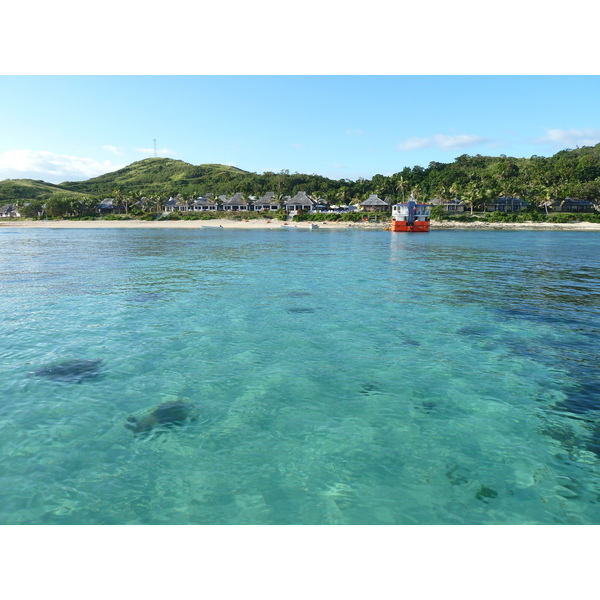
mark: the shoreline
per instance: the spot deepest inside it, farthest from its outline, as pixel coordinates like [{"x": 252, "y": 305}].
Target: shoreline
[
  {"x": 193, "y": 224},
  {"x": 581, "y": 226},
  {"x": 276, "y": 224}
]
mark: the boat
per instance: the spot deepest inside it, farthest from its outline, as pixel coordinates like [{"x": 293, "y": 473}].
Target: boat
[
  {"x": 410, "y": 216},
  {"x": 313, "y": 226}
]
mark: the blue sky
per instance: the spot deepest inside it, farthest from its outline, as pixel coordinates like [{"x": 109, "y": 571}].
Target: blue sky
[{"x": 60, "y": 128}]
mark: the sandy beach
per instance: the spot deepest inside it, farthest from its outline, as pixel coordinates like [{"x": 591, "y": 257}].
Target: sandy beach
[
  {"x": 276, "y": 224},
  {"x": 527, "y": 225},
  {"x": 195, "y": 224}
]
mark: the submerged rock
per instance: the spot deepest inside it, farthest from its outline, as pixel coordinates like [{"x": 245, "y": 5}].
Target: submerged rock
[
  {"x": 484, "y": 492},
  {"x": 71, "y": 371},
  {"x": 146, "y": 297},
  {"x": 166, "y": 415},
  {"x": 369, "y": 388}
]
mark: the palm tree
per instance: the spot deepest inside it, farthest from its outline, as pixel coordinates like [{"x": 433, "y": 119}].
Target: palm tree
[
  {"x": 472, "y": 194},
  {"x": 549, "y": 196},
  {"x": 342, "y": 194},
  {"x": 156, "y": 202},
  {"x": 130, "y": 199},
  {"x": 416, "y": 191},
  {"x": 75, "y": 206},
  {"x": 400, "y": 185}
]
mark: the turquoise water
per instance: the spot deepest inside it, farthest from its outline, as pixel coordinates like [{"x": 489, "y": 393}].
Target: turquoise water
[{"x": 339, "y": 377}]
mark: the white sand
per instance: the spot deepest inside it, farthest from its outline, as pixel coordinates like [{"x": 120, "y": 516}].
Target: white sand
[
  {"x": 527, "y": 225},
  {"x": 195, "y": 224},
  {"x": 276, "y": 224}
]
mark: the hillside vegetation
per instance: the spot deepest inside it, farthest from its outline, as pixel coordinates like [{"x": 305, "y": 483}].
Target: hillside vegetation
[
  {"x": 27, "y": 189},
  {"x": 472, "y": 179},
  {"x": 153, "y": 176}
]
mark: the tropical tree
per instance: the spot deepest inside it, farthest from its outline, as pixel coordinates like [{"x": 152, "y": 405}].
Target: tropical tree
[
  {"x": 473, "y": 195},
  {"x": 57, "y": 206},
  {"x": 416, "y": 191},
  {"x": 75, "y": 206},
  {"x": 31, "y": 209},
  {"x": 550, "y": 194},
  {"x": 400, "y": 186},
  {"x": 343, "y": 194}
]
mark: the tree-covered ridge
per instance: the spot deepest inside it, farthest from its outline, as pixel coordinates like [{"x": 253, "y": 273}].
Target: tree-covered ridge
[
  {"x": 153, "y": 175},
  {"x": 472, "y": 179},
  {"x": 17, "y": 189}
]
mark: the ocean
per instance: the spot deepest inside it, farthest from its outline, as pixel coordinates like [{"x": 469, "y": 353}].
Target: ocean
[{"x": 223, "y": 376}]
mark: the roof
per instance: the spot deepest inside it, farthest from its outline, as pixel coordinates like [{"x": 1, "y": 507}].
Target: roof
[
  {"x": 508, "y": 200},
  {"x": 445, "y": 201},
  {"x": 204, "y": 200},
  {"x": 268, "y": 198},
  {"x": 575, "y": 201},
  {"x": 302, "y": 199},
  {"x": 374, "y": 200},
  {"x": 237, "y": 199},
  {"x": 107, "y": 202}
]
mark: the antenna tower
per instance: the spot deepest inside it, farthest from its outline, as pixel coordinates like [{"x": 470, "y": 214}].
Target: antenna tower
[{"x": 155, "y": 155}]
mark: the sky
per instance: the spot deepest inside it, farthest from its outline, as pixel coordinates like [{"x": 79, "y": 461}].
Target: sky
[
  {"x": 326, "y": 87},
  {"x": 67, "y": 128}
]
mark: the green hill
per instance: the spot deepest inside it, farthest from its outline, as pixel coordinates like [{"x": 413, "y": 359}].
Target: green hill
[
  {"x": 163, "y": 176},
  {"x": 28, "y": 189}
]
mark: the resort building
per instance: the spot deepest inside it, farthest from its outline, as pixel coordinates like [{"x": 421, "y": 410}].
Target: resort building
[
  {"x": 451, "y": 206},
  {"x": 183, "y": 205},
  {"x": 374, "y": 203},
  {"x": 507, "y": 204},
  {"x": 300, "y": 203},
  {"x": 266, "y": 202},
  {"x": 169, "y": 205},
  {"x": 570, "y": 205},
  {"x": 109, "y": 205},
  {"x": 204, "y": 203},
  {"x": 237, "y": 203},
  {"x": 9, "y": 211}
]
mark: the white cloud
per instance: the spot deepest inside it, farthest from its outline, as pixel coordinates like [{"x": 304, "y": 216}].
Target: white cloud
[
  {"x": 114, "y": 149},
  {"x": 54, "y": 168},
  {"x": 443, "y": 142},
  {"x": 355, "y": 132},
  {"x": 159, "y": 151},
  {"x": 415, "y": 143},
  {"x": 570, "y": 138}
]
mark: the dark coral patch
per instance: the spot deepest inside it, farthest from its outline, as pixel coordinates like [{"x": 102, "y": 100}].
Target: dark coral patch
[
  {"x": 71, "y": 371},
  {"x": 164, "y": 416}
]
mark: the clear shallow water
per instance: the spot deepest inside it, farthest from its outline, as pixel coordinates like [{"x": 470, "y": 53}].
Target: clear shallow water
[{"x": 342, "y": 377}]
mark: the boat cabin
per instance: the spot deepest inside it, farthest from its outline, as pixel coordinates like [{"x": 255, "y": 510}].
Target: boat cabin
[{"x": 410, "y": 216}]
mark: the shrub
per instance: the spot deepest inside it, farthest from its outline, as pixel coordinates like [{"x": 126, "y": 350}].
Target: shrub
[
  {"x": 438, "y": 213},
  {"x": 562, "y": 218},
  {"x": 116, "y": 217}
]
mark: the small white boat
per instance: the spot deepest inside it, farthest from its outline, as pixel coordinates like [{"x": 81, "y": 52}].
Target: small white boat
[{"x": 313, "y": 226}]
